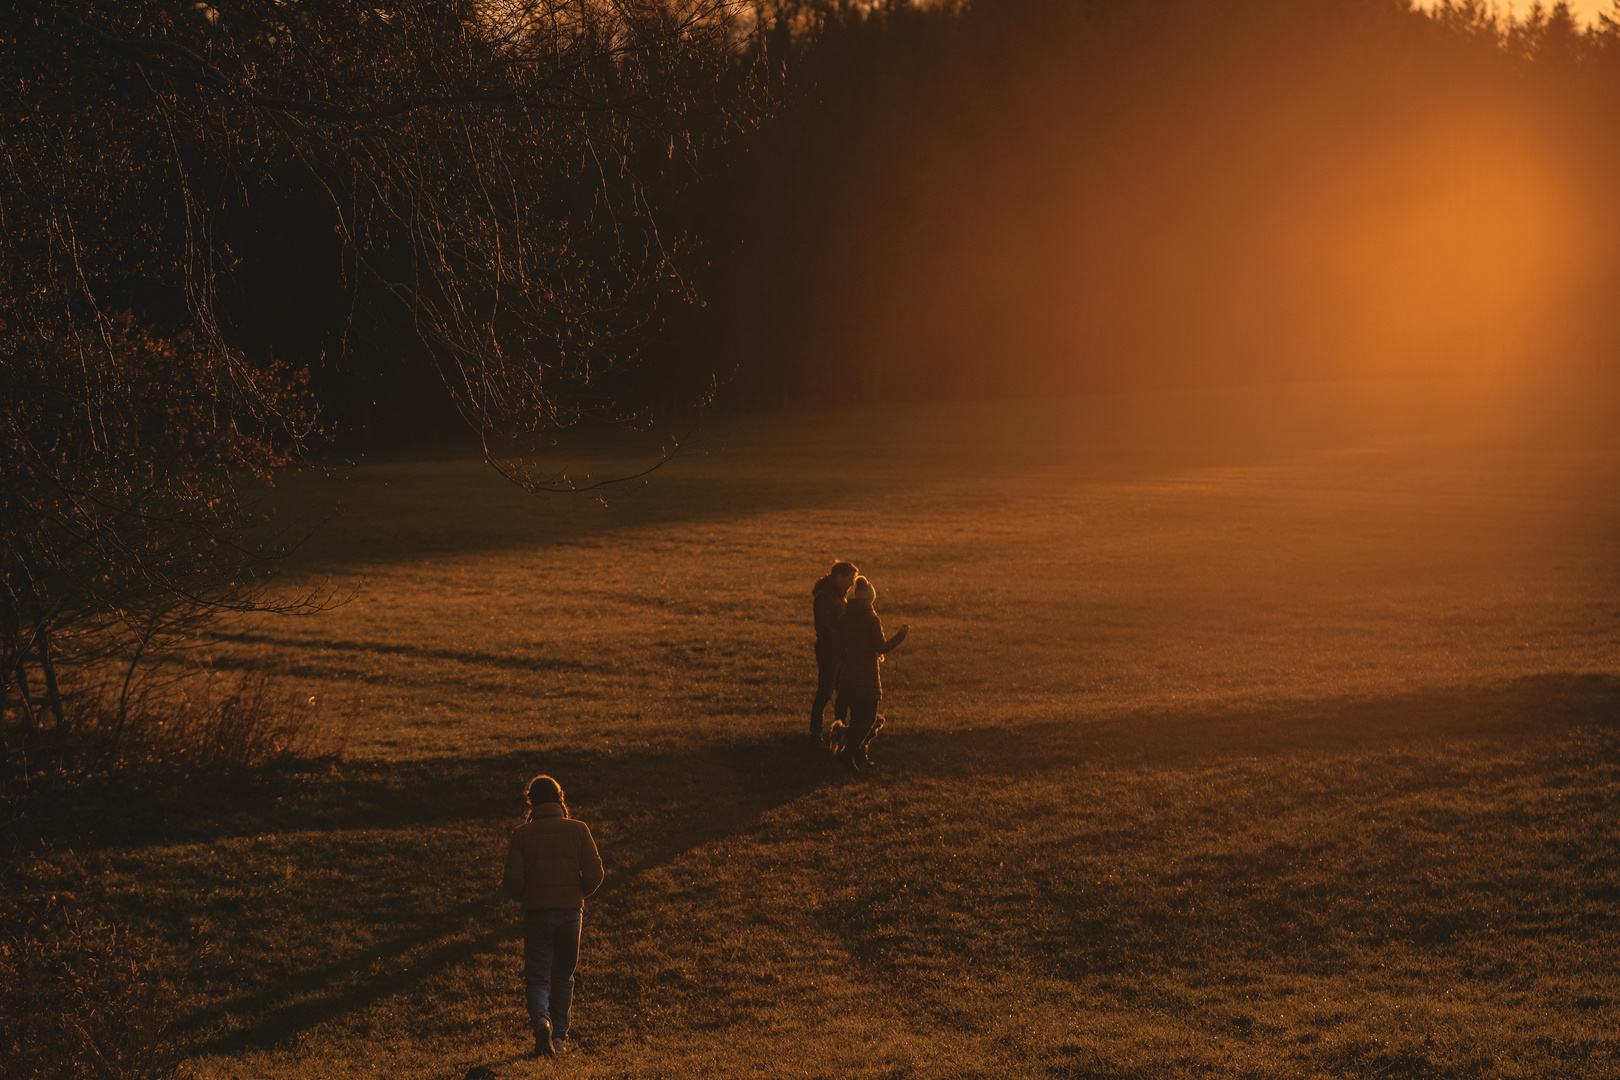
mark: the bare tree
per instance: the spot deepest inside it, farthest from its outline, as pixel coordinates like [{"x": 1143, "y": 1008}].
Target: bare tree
[{"x": 494, "y": 174}]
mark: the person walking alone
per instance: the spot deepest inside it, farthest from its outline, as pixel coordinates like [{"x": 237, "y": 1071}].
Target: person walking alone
[
  {"x": 860, "y": 685},
  {"x": 828, "y": 604},
  {"x": 551, "y": 867}
]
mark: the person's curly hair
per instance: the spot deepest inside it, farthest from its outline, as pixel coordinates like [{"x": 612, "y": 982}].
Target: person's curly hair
[{"x": 543, "y": 789}]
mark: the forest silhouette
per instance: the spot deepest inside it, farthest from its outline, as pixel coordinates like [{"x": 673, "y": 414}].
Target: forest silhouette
[
  {"x": 852, "y": 201},
  {"x": 1026, "y": 196}
]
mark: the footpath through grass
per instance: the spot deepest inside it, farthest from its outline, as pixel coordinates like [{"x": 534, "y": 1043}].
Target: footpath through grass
[{"x": 1258, "y": 733}]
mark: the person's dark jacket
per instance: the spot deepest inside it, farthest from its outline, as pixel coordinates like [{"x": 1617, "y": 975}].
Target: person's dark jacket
[
  {"x": 829, "y": 607},
  {"x": 860, "y": 636},
  {"x": 551, "y": 861}
]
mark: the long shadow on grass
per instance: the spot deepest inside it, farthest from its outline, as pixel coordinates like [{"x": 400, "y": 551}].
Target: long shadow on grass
[
  {"x": 673, "y": 801},
  {"x": 654, "y": 805},
  {"x": 690, "y": 791},
  {"x": 403, "y": 511},
  {"x": 528, "y": 661},
  {"x": 1527, "y": 706},
  {"x": 1132, "y": 896}
]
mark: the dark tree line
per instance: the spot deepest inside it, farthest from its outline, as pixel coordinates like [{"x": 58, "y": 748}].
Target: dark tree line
[{"x": 226, "y": 228}]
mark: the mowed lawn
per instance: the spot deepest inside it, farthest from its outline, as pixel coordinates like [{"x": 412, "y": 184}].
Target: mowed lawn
[{"x": 1259, "y": 732}]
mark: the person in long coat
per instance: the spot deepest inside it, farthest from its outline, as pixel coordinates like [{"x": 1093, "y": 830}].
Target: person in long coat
[{"x": 860, "y": 683}]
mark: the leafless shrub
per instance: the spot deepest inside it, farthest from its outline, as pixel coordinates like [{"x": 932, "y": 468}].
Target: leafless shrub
[
  {"x": 223, "y": 729},
  {"x": 126, "y": 462},
  {"x": 175, "y": 727}
]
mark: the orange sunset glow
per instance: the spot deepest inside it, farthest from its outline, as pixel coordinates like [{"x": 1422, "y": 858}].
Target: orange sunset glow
[{"x": 820, "y": 539}]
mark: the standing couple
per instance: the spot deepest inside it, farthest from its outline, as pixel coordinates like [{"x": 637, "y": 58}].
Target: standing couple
[{"x": 849, "y": 650}]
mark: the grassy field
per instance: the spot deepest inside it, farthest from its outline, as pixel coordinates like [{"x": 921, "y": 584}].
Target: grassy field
[{"x": 1267, "y": 733}]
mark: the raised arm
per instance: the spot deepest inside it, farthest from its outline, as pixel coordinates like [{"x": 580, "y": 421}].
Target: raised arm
[{"x": 899, "y": 636}]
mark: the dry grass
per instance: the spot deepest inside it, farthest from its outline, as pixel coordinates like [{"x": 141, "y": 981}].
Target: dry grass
[
  {"x": 1267, "y": 733},
  {"x": 78, "y": 998}
]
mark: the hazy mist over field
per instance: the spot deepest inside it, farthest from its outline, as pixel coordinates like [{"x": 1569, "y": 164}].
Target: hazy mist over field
[
  {"x": 1239, "y": 729},
  {"x": 1068, "y": 555},
  {"x": 406, "y": 400}
]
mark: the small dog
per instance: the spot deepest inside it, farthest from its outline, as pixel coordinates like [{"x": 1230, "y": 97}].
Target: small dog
[{"x": 836, "y": 732}]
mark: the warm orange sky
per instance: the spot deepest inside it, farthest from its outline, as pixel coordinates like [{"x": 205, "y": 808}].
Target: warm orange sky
[{"x": 1586, "y": 11}]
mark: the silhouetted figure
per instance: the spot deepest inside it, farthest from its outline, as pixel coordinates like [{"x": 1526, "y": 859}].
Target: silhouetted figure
[
  {"x": 551, "y": 867},
  {"x": 828, "y": 596},
  {"x": 860, "y": 686}
]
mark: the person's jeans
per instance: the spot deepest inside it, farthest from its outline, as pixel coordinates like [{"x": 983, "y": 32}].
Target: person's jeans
[
  {"x": 827, "y": 662},
  {"x": 550, "y": 952},
  {"x": 862, "y": 725}
]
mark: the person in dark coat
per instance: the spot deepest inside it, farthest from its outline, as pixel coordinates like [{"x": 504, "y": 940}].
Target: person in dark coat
[
  {"x": 860, "y": 685},
  {"x": 828, "y": 602},
  {"x": 552, "y": 865}
]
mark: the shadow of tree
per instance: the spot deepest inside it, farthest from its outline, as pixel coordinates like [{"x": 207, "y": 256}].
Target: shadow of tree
[
  {"x": 688, "y": 794},
  {"x": 526, "y": 662},
  {"x": 392, "y": 510},
  {"x": 661, "y": 802},
  {"x": 1523, "y": 707},
  {"x": 662, "y": 805},
  {"x": 1329, "y": 834}
]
